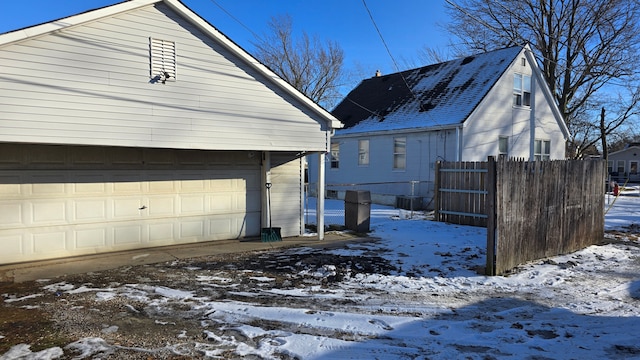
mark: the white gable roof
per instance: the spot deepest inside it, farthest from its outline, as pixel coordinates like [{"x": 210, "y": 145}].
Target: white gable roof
[{"x": 180, "y": 8}]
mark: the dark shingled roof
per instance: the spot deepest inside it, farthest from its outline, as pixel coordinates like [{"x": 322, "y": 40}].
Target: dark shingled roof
[{"x": 441, "y": 94}]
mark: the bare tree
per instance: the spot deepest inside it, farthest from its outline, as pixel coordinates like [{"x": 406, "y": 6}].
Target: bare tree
[
  {"x": 583, "y": 46},
  {"x": 314, "y": 68}
]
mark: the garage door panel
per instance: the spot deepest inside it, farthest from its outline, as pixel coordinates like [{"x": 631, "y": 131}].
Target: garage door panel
[
  {"x": 193, "y": 183},
  {"x": 90, "y": 209},
  {"x": 162, "y": 186},
  {"x": 126, "y": 208},
  {"x": 192, "y": 204},
  {"x": 162, "y": 232},
  {"x": 127, "y": 184},
  {"x": 223, "y": 202},
  {"x": 12, "y": 246},
  {"x": 91, "y": 238},
  {"x": 225, "y": 185},
  {"x": 90, "y": 185},
  {"x": 50, "y": 242},
  {"x": 128, "y": 234},
  {"x": 162, "y": 206},
  {"x": 11, "y": 214},
  {"x": 191, "y": 229},
  {"x": 221, "y": 228},
  {"x": 47, "y": 187},
  {"x": 48, "y": 212}
]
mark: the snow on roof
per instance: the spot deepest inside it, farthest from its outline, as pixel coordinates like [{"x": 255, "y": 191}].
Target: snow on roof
[{"x": 441, "y": 94}]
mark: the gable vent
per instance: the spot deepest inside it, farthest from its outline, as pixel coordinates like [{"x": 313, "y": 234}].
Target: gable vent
[{"x": 163, "y": 59}]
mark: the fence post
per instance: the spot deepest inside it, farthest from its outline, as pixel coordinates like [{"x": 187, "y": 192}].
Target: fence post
[
  {"x": 492, "y": 230},
  {"x": 436, "y": 193}
]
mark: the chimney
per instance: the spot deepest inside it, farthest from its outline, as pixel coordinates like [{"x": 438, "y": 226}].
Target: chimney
[{"x": 378, "y": 73}]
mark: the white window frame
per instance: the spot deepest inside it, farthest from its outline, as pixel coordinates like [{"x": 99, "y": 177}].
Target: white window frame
[
  {"x": 399, "y": 153},
  {"x": 334, "y": 156},
  {"x": 363, "y": 152},
  {"x": 162, "y": 60},
  {"x": 521, "y": 90},
  {"x": 542, "y": 150},
  {"x": 621, "y": 164},
  {"x": 503, "y": 146}
]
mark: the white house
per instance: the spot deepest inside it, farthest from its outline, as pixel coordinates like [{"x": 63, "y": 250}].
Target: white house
[
  {"x": 398, "y": 126},
  {"x": 623, "y": 165},
  {"x": 140, "y": 125}
]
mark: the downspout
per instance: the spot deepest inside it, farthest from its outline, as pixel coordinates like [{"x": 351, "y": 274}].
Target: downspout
[
  {"x": 532, "y": 122},
  {"x": 266, "y": 178},
  {"x": 459, "y": 143}
]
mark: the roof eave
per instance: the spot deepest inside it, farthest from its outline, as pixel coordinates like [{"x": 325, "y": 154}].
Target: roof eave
[
  {"x": 399, "y": 131},
  {"x": 547, "y": 92},
  {"x": 71, "y": 21}
]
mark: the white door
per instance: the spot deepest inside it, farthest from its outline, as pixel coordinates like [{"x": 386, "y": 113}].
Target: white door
[{"x": 51, "y": 213}]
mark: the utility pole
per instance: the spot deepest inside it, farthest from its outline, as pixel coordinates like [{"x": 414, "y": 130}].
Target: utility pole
[{"x": 603, "y": 136}]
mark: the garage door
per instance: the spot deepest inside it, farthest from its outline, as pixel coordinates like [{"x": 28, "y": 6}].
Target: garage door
[{"x": 80, "y": 209}]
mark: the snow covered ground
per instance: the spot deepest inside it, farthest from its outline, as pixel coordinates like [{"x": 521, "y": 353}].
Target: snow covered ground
[{"x": 423, "y": 300}]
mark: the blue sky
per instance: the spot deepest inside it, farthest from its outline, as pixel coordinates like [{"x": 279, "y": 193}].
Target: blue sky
[{"x": 407, "y": 25}]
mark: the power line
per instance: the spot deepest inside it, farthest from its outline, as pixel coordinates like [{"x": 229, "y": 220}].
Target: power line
[
  {"x": 388, "y": 50},
  {"x": 235, "y": 19}
]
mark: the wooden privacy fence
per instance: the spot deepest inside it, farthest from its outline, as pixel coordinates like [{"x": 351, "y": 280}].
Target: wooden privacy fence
[{"x": 532, "y": 210}]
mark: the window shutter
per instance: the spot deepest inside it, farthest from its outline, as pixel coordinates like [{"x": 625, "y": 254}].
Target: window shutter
[{"x": 163, "y": 58}]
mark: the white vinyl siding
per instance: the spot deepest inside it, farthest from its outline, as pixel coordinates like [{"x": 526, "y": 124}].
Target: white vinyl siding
[
  {"x": 287, "y": 205},
  {"x": 90, "y": 85}
]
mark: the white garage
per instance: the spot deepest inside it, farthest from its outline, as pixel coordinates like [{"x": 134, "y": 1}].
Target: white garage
[{"x": 140, "y": 125}]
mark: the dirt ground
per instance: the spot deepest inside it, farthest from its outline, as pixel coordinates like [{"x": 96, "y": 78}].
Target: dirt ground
[
  {"x": 44, "y": 314},
  {"x": 150, "y": 323}
]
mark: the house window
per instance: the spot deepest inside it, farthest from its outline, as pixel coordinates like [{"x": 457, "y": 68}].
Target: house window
[
  {"x": 633, "y": 167},
  {"x": 399, "y": 153},
  {"x": 620, "y": 166},
  {"x": 162, "y": 60},
  {"x": 363, "y": 152},
  {"x": 335, "y": 156},
  {"x": 523, "y": 62},
  {"x": 503, "y": 146},
  {"x": 542, "y": 150},
  {"x": 521, "y": 90},
  {"x": 610, "y": 166}
]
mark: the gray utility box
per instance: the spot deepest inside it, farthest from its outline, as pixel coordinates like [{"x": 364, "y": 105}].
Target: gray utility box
[{"x": 357, "y": 210}]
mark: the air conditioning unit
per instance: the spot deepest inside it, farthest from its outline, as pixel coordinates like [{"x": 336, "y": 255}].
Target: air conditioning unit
[
  {"x": 409, "y": 202},
  {"x": 331, "y": 194}
]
